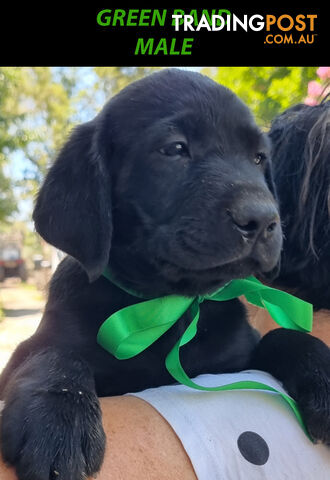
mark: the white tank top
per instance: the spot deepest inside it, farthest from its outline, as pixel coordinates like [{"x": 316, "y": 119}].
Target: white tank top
[{"x": 239, "y": 435}]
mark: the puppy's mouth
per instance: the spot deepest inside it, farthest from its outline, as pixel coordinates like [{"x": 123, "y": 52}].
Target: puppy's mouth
[
  {"x": 204, "y": 274},
  {"x": 199, "y": 281},
  {"x": 235, "y": 269},
  {"x": 204, "y": 257}
]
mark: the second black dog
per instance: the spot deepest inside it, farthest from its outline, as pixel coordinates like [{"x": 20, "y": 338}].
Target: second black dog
[{"x": 301, "y": 161}]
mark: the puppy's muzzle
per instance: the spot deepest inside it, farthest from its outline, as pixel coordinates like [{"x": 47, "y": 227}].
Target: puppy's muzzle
[
  {"x": 258, "y": 222},
  {"x": 255, "y": 219}
]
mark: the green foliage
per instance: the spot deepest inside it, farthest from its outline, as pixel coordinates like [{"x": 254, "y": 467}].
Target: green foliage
[
  {"x": 38, "y": 108},
  {"x": 266, "y": 90},
  {"x": 46, "y": 100},
  {"x": 33, "y": 112},
  {"x": 112, "y": 79},
  {"x": 35, "y": 118},
  {"x": 11, "y": 137},
  {"x": 10, "y": 113},
  {"x": 8, "y": 203}
]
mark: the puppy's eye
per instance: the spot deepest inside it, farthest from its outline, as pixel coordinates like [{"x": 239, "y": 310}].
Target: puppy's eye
[
  {"x": 260, "y": 158},
  {"x": 175, "y": 149}
]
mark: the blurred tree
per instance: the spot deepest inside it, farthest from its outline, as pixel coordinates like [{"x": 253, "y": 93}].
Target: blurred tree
[
  {"x": 112, "y": 79},
  {"x": 9, "y": 117},
  {"x": 39, "y": 106},
  {"x": 56, "y": 100},
  {"x": 34, "y": 118},
  {"x": 266, "y": 90},
  {"x": 47, "y": 107}
]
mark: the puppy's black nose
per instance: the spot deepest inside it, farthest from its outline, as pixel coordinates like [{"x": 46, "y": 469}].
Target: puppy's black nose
[{"x": 255, "y": 218}]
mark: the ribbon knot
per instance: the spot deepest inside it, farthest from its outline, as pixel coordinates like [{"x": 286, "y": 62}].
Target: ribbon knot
[
  {"x": 131, "y": 330},
  {"x": 201, "y": 298}
]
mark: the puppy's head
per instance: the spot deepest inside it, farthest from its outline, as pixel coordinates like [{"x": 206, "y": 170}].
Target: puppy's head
[{"x": 170, "y": 184}]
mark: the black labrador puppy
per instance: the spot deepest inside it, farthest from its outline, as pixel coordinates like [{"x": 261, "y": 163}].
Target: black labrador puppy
[{"x": 170, "y": 186}]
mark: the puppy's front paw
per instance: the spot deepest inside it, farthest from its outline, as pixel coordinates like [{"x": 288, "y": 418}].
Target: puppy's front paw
[
  {"x": 48, "y": 435},
  {"x": 314, "y": 400},
  {"x": 302, "y": 363}
]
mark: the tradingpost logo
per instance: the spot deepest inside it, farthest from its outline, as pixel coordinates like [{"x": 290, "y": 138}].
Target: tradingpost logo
[
  {"x": 279, "y": 29},
  {"x": 282, "y": 29}
]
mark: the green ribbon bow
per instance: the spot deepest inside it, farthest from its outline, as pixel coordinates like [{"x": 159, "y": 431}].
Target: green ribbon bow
[{"x": 131, "y": 330}]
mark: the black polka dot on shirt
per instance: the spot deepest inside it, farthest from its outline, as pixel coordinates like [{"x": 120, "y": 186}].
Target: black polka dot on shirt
[{"x": 253, "y": 448}]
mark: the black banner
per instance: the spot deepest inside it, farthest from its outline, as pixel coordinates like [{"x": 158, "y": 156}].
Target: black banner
[{"x": 114, "y": 35}]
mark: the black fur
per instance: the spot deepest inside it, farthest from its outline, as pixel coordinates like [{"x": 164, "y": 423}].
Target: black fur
[
  {"x": 170, "y": 185},
  {"x": 301, "y": 160}
]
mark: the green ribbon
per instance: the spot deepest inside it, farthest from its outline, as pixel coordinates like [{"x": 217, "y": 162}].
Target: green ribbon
[{"x": 131, "y": 330}]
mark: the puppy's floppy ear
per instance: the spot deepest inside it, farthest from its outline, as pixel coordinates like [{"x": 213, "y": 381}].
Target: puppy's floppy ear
[{"x": 73, "y": 208}]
